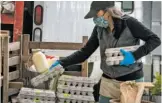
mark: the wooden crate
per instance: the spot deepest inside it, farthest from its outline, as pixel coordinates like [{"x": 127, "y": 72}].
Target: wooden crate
[
  {"x": 27, "y": 45},
  {"x": 7, "y": 60}
]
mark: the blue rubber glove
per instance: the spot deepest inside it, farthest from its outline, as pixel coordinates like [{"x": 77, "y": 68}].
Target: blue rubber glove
[
  {"x": 128, "y": 58},
  {"x": 54, "y": 65}
]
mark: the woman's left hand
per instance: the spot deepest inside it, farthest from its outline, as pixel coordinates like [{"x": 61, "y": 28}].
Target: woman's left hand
[{"x": 128, "y": 58}]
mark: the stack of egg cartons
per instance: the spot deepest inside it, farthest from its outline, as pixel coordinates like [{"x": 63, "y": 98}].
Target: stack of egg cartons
[
  {"x": 114, "y": 56},
  {"x": 46, "y": 75},
  {"x": 29, "y": 95},
  {"x": 72, "y": 89}
]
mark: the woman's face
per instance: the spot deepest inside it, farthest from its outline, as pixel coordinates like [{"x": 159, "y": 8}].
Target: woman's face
[{"x": 102, "y": 19}]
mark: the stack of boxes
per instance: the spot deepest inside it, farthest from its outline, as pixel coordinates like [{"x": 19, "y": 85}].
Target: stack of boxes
[
  {"x": 29, "y": 95},
  {"x": 114, "y": 56},
  {"x": 72, "y": 89}
]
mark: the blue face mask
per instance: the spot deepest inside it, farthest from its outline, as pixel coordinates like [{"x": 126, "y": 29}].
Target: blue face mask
[{"x": 100, "y": 21}]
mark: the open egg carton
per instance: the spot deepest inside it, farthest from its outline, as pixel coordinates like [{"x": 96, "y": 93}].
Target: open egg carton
[
  {"x": 73, "y": 89},
  {"x": 77, "y": 81},
  {"x": 47, "y": 75},
  {"x": 85, "y": 91},
  {"x": 69, "y": 98},
  {"x": 33, "y": 101},
  {"x": 114, "y": 56},
  {"x": 29, "y": 95}
]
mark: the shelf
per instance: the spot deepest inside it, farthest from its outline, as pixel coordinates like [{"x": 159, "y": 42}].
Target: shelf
[{"x": 7, "y": 19}]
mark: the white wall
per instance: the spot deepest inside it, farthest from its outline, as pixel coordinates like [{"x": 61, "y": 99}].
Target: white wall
[
  {"x": 138, "y": 10},
  {"x": 64, "y": 21}
]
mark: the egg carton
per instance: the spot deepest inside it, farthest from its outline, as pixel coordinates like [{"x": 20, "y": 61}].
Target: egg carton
[
  {"x": 68, "y": 98},
  {"x": 75, "y": 90},
  {"x": 77, "y": 81},
  {"x": 47, "y": 75},
  {"x": 34, "y": 101},
  {"x": 74, "y": 101},
  {"x": 32, "y": 94},
  {"x": 114, "y": 60},
  {"x": 113, "y": 52}
]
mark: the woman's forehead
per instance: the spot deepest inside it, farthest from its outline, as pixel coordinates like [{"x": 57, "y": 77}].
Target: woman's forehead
[{"x": 100, "y": 13}]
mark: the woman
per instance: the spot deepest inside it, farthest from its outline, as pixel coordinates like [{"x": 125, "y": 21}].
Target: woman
[{"x": 113, "y": 29}]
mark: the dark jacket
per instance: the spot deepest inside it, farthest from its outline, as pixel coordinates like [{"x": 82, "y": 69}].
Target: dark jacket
[{"x": 127, "y": 32}]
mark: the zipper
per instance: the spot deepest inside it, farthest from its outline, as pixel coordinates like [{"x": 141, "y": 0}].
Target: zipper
[{"x": 115, "y": 47}]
